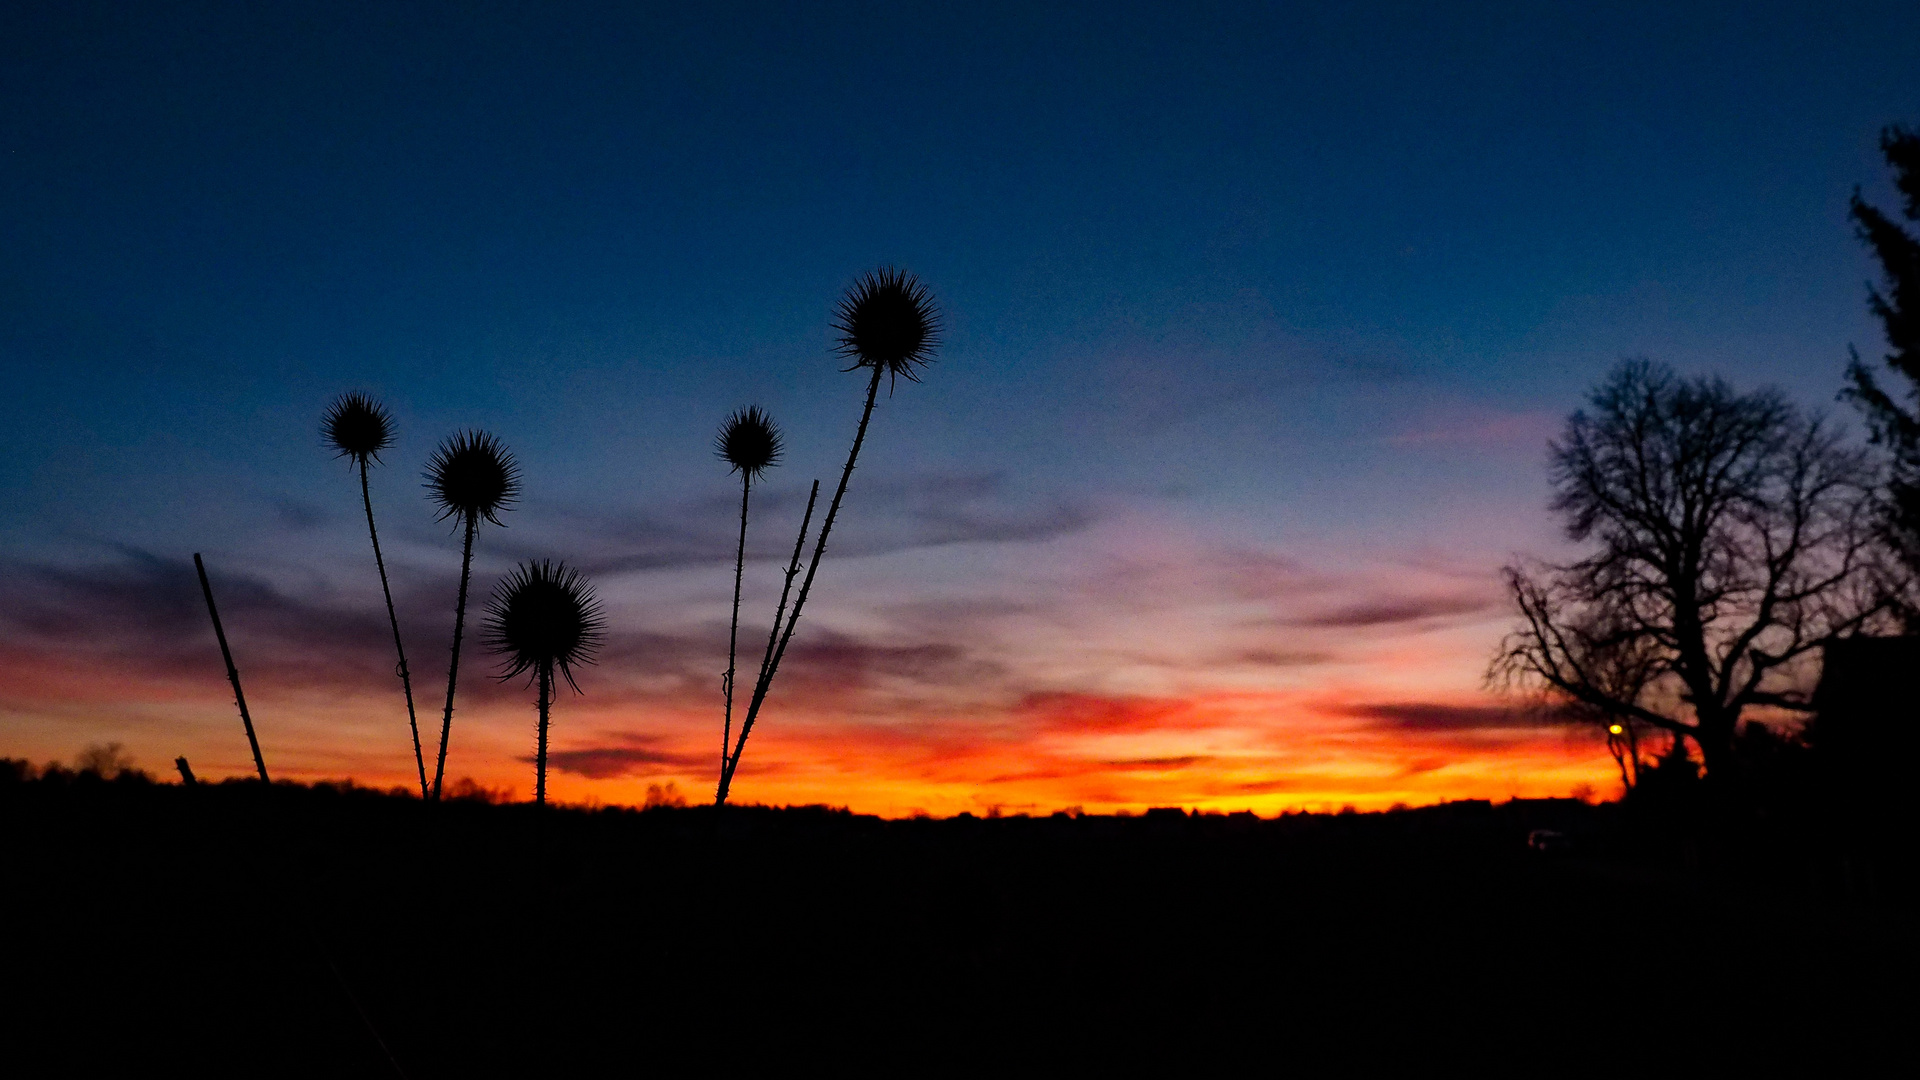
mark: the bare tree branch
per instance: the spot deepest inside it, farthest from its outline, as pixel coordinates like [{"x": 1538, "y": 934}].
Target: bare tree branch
[{"x": 1731, "y": 536}]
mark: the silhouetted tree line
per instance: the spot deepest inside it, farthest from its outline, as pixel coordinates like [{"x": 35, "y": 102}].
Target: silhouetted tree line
[
  {"x": 1741, "y": 625},
  {"x": 240, "y": 928}
]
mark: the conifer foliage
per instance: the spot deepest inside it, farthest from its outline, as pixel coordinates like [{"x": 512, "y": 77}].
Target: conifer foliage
[{"x": 1894, "y": 414}]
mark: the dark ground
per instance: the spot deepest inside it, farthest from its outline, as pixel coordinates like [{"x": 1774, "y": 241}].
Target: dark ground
[{"x": 198, "y": 930}]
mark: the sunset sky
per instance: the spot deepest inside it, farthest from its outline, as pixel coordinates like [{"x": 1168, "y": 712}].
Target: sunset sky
[{"x": 1259, "y": 321}]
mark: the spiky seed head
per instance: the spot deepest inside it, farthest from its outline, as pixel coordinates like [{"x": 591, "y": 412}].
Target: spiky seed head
[
  {"x": 472, "y": 475},
  {"x": 544, "y": 613},
  {"x": 357, "y": 427},
  {"x": 888, "y": 322},
  {"x": 749, "y": 441}
]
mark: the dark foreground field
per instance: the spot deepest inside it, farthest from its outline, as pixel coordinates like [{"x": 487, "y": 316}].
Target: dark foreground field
[{"x": 237, "y": 929}]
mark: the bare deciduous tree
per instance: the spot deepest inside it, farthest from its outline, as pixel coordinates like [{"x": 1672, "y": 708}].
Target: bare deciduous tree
[
  {"x": 1732, "y": 535},
  {"x": 1625, "y": 669}
]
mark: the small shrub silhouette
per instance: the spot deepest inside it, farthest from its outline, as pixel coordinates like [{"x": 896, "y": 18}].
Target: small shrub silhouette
[
  {"x": 750, "y": 442},
  {"x": 471, "y": 476},
  {"x": 106, "y": 761},
  {"x": 467, "y": 789},
  {"x": 544, "y": 616},
  {"x": 888, "y": 324},
  {"x": 667, "y": 795},
  {"x": 358, "y": 428}
]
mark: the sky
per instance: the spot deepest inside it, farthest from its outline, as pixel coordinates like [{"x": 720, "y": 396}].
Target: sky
[{"x": 1259, "y": 319}]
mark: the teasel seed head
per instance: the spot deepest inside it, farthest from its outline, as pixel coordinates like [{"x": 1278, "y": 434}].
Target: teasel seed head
[
  {"x": 749, "y": 441},
  {"x": 888, "y": 321},
  {"x": 357, "y": 427},
  {"x": 472, "y": 475},
  {"x": 545, "y": 613}
]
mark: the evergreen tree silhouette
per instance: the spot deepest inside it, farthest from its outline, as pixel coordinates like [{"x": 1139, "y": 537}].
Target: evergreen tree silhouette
[{"x": 1894, "y": 416}]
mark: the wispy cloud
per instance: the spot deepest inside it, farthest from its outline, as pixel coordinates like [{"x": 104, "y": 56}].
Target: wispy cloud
[
  {"x": 1447, "y": 717},
  {"x": 891, "y": 515},
  {"x": 1131, "y": 674},
  {"x": 146, "y": 612},
  {"x": 1482, "y": 427},
  {"x": 1397, "y": 611},
  {"x": 1279, "y": 658},
  {"x": 1102, "y": 713},
  {"x": 634, "y": 755}
]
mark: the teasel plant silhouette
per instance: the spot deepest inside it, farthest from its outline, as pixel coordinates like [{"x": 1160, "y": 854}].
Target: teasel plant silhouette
[
  {"x": 357, "y": 428},
  {"x": 749, "y": 442},
  {"x": 471, "y": 477},
  {"x": 233, "y": 673},
  {"x": 889, "y": 326},
  {"x": 543, "y": 619}
]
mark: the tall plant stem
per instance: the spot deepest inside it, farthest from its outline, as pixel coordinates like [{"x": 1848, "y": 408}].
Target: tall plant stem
[
  {"x": 233, "y": 673},
  {"x": 733, "y": 634},
  {"x": 540, "y": 756},
  {"x": 406, "y": 678},
  {"x": 453, "y": 668},
  {"x": 819, "y": 550},
  {"x": 793, "y": 571}
]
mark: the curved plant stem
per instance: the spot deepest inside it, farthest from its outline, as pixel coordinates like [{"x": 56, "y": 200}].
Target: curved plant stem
[
  {"x": 733, "y": 635},
  {"x": 406, "y": 678},
  {"x": 540, "y": 756},
  {"x": 793, "y": 571},
  {"x": 819, "y": 550},
  {"x": 453, "y": 668}
]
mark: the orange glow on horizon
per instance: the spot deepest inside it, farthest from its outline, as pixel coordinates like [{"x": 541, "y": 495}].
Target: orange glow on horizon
[
  {"x": 1138, "y": 667},
  {"x": 1267, "y": 751}
]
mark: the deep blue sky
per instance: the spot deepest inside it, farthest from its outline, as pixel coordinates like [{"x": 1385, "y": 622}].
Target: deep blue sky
[
  {"x": 1316, "y": 279},
  {"x": 596, "y": 231}
]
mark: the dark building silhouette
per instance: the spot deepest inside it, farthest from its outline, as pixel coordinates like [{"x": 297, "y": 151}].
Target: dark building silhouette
[
  {"x": 1865, "y": 733},
  {"x": 1868, "y": 704}
]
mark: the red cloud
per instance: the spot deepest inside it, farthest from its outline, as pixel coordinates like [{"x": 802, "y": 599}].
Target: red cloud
[{"x": 1071, "y": 712}]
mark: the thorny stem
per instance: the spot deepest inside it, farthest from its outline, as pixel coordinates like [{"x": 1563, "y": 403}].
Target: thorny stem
[
  {"x": 453, "y": 668},
  {"x": 733, "y": 635},
  {"x": 540, "y": 757},
  {"x": 793, "y": 571},
  {"x": 406, "y": 678},
  {"x": 819, "y": 549},
  {"x": 233, "y": 673}
]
